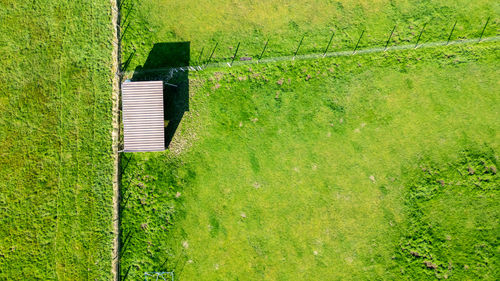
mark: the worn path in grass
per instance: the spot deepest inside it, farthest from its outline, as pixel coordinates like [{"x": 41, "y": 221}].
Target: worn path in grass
[
  {"x": 115, "y": 136},
  {"x": 296, "y": 170}
]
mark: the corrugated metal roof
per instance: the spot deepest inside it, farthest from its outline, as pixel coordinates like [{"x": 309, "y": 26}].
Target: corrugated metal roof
[{"x": 143, "y": 119}]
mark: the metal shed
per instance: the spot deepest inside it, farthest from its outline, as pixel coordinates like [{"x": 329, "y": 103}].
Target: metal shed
[{"x": 143, "y": 119}]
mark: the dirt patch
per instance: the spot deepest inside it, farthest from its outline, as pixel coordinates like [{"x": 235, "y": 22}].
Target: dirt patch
[{"x": 115, "y": 134}]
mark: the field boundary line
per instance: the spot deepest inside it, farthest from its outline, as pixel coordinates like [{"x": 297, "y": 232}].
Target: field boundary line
[
  {"x": 346, "y": 53},
  {"x": 115, "y": 134}
]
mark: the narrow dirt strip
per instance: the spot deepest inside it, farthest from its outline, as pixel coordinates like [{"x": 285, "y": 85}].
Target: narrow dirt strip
[
  {"x": 317, "y": 56},
  {"x": 115, "y": 134}
]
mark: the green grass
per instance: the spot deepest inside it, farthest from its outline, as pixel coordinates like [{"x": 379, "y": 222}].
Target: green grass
[
  {"x": 453, "y": 219},
  {"x": 305, "y": 170},
  {"x": 302, "y": 170},
  {"x": 55, "y": 140},
  {"x": 203, "y": 23}
]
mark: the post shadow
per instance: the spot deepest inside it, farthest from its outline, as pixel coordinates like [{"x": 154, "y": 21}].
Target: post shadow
[{"x": 169, "y": 63}]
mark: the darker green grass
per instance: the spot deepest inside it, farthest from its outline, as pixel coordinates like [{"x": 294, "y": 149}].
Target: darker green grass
[
  {"x": 452, "y": 224},
  {"x": 55, "y": 140}
]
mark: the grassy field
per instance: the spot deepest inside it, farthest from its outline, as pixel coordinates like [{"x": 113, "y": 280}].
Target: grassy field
[
  {"x": 55, "y": 140},
  {"x": 203, "y": 23},
  {"x": 317, "y": 170},
  {"x": 378, "y": 166},
  {"x": 452, "y": 225}
]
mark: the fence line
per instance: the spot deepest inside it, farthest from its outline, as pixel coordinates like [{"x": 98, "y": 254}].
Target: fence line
[
  {"x": 207, "y": 63},
  {"x": 320, "y": 55}
]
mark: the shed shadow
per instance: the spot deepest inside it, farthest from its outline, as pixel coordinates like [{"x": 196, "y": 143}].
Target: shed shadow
[{"x": 169, "y": 63}]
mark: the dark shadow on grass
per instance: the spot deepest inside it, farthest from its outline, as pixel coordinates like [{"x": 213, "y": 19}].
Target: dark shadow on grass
[{"x": 168, "y": 62}]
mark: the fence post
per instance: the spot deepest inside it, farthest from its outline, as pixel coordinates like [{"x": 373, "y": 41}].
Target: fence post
[
  {"x": 163, "y": 263},
  {"x": 300, "y": 43},
  {"x": 124, "y": 245},
  {"x": 126, "y": 274},
  {"x": 263, "y": 50},
  {"x": 122, "y": 34},
  {"x": 484, "y": 28},
  {"x": 451, "y": 33},
  {"x": 329, "y": 43},
  {"x": 128, "y": 13},
  {"x": 121, "y": 4},
  {"x": 213, "y": 51},
  {"x": 357, "y": 44},
  {"x": 235, "y": 53},
  {"x": 390, "y": 36},
  {"x": 125, "y": 65},
  {"x": 420, "y": 34}
]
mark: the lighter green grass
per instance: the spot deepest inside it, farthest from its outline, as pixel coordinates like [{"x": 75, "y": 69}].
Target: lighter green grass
[
  {"x": 55, "y": 140},
  {"x": 203, "y": 23},
  {"x": 304, "y": 180}
]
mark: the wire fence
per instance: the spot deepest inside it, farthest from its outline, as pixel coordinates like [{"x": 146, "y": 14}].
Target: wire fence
[
  {"x": 170, "y": 72},
  {"x": 361, "y": 42},
  {"x": 215, "y": 55},
  {"x": 206, "y": 58}
]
